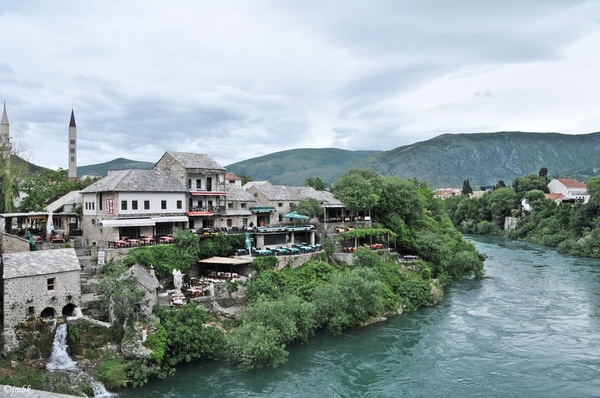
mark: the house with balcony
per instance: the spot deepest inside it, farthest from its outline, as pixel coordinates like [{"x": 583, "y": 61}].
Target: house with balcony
[
  {"x": 133, "y": 204},
  {"x": 238, "y": 212},
  {"x": 202, "y": 175},
  {"x": 572, "y": 190}
]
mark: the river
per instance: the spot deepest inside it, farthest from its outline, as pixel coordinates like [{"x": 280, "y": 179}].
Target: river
[{"x": 531, "y": 328}]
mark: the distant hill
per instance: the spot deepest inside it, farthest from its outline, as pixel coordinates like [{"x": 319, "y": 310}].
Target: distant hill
[
  {"x": 294, "y": 166},
  {"x": 443, "y": 161},
  {"x": 486, "y": 158},
  {"x": 116, "y": 164}
]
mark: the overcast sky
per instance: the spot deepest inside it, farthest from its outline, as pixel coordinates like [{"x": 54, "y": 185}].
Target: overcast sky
[{"x": 240, "y": 79}]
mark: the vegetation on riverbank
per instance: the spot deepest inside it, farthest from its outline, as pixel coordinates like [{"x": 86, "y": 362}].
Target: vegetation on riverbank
[{"x": 571, "y": 228}]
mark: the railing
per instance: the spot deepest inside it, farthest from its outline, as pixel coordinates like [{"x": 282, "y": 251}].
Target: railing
[{"x": 208, "y": 209}]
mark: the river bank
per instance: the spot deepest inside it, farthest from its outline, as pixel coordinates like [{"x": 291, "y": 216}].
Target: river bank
[{"x": 529, "y": 329}]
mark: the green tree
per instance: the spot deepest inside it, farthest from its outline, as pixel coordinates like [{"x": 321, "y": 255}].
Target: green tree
[
  {"x": 466, "y": 188},
  {"x": 315, "y": 183},
  {"x": 521, "y": 185},
  {"x": 12, "y": 171},
  {"x": 245, "y": 178},
  {"x": 255, "y": 346},
  {"x": 44, "y": 187},
  {"x": 358, "y": 189},
  {"x": 308, "y": 207}
]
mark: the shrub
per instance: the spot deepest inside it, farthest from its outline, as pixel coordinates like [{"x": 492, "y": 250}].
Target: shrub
[
  {"x": 254, "y": 346},
  {"x": 264, "y": 263}
]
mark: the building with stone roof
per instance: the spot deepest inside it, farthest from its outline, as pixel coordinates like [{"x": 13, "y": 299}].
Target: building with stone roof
[
  {"x": 571, "y": 189},
  {"x": 277, "y": 200},
  {"x": 238, "y": 214},
  {"x": 133, "y": 204},
  {"x": 147, "y": 281},
  {"x": 204, "y": 179},
  {"x": 42, "y": 283}
]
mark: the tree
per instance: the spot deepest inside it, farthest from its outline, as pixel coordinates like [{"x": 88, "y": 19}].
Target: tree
[
  {"x": 309, "y": 207},
  {"x": 44, "y": 187},
  {"x": 466, "y": 188},
  {"x": 12, "y": 171},
  {"x": 593, "y": 188},
  {"x": 501, "y": 184},
  {"x": 358, "y": 189},
  {"x": 315, "y": 183},
  {"x": 521, "y": 185},
  {"x": 245, "y": 178}
]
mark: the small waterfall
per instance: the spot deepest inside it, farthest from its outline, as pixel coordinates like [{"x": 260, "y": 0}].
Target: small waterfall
[{"x": 60, "y": 360}]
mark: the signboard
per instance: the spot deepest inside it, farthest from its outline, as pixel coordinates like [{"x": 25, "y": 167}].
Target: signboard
[
  {"x": 101, "y": 257},
  {"x": 109, "y": 206}
]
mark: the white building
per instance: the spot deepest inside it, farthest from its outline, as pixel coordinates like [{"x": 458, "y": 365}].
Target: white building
[{"x": 570, "y": 189}]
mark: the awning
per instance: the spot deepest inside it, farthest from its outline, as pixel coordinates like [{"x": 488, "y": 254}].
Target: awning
[
  {"x": 296, "y": 216},
  {"x": 170, "y": 219},
  {"x": 265, "y": 209},
  {"x": 129, "y": 222}
]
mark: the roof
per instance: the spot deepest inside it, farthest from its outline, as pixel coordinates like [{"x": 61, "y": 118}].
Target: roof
[
  {"x": 571, "y": 183},
  {"x": 4, "y": 116},
  {"x": 554, "y": 196},
  {"x": 144, "y": 277},
  {"x": 194, "y": 160},
  {"x": 230, "y": 176},
  {"x": 283, "y": 192},
  {"x": 225, "y": 261},
  {"x": 72, "y": 122},
  {"x": 239, "y": 194},
  {"x": 137, "y": 181},
  {"x": 72, "y": 197},
  {"x": 42, "y": 262}
]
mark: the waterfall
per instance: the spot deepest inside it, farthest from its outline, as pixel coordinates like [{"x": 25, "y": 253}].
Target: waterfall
[{"x": 60, "y": 360}]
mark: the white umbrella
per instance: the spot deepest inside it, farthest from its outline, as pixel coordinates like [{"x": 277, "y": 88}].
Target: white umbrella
[{"x": 49, "y": 224}]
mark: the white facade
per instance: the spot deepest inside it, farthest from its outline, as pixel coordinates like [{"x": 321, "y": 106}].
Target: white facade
[{"x": 569, "y": 188}]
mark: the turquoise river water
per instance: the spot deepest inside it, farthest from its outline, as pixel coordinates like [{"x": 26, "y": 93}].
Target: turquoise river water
[{"x": 531, "y": 328}]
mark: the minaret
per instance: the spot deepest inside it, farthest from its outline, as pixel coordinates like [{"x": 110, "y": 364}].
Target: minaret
[
  {"x": 72, "y": 148},
  {"x": 5, "y": 144}
]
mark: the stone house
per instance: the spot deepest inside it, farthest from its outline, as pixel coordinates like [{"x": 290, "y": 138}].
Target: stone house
[
  {"x": 64, "y": 213},
  {"x": 232, "y": 179},
  {"x": 147, "y": 281},
  {"x": 276, "y": 200},
  {"x": 238, "y": 213},
  {"x": 203, "y": 177},
  {"x": 571, "y": 189},
  {"x": 133, "y": 204},
  {"x": 38, "y": 283}
]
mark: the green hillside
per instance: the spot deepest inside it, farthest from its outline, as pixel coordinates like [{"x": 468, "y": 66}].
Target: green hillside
[
  {"x": 116, "y": 164},
  {"x": 294, "y": 166},
  {"x": 486, "y": 158}
]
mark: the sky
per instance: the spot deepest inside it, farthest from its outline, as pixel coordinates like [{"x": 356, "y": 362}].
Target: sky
[{"x": 241, "y": 79}]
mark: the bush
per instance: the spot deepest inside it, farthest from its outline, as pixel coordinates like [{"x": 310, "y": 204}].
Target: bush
[
  {"x": 264, "y": 263},
  {"x": 112, "y": 372},
  {"x": 254, "y": 346},
  {"x": 157, "y": 342}
]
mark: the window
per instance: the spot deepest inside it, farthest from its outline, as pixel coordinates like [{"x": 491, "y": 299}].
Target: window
[
  {"x": 208, "y": 184},
  {"x": 244, "y": 222},
  {"x": 230, "y": 205},
  {"x": 72, "y": 158},
  {"x": 198, "y": 184},
  {"x": 232, "y": 182},
  {"x": 134, "y": 205},
  {"x": 189, "y": 184},
  {"x": 72, "y": 150},
  {"x": 100, "y": 203},
  {"x": 123, "y": 205},
  {"x": 256, "y": 195},
  {"x": 229, "y": 223},
  {"x": 51, "y": 283},
  {"x": 179, "y": 204},
  {"x": 243, "y": 205},
  {"x": 163, "y": 204},
  {"x": 31, "y": 311},
  {"x": 72, "y": 142},
  {"x": 146, "y": 205},
  {"x": 280, "y": 204}
]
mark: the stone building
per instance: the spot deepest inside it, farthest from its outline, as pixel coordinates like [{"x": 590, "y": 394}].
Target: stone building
[
  {"x": 147, "y": 281},
  {"x": 133, "y": 203},
  {"x": 203, "y": 177},
  {"x": 38, "y": 283},
  {"x": 238, "y": 213}
]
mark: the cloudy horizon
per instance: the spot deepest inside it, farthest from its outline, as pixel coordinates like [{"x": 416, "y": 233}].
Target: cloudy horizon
[{"x": 237, "y": 80}]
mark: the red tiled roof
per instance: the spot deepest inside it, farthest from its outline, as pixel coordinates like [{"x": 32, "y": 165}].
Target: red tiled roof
[
  {"x": 554, "y": 196},
  {"x": 570, "y": 183}
]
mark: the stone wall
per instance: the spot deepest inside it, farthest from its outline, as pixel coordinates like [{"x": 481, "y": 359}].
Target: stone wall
[{"x": 32, "y": 291}]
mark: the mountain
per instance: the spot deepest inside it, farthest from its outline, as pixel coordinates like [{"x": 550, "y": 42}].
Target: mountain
[
  {"x": 294, "y": 166},
  {"x": 116, "y": 164},
  {"x": 486, "y": 158}
]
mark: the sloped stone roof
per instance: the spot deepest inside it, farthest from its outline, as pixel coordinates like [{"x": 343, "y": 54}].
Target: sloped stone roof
[
  {"x": 42, "y": 262},
  {"x": 137, "y": 181},
  {"x": 239, "y": 194},
  {"x": 284, "y": 192},
  {"x": 143, "y": 276},
  {"x": 72, "y": 197},
  {"x": 195, "y": 160}
]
